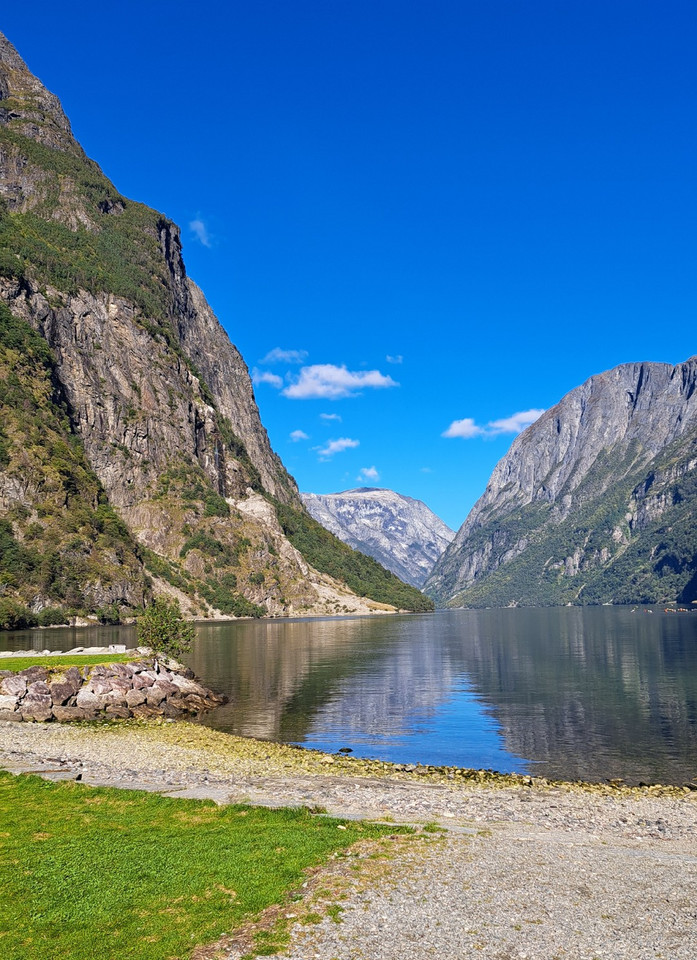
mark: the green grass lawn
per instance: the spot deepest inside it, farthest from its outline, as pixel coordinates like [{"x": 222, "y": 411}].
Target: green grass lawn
[
  {"x": 15, "y": 664},
  {"x": 96, "y": 872}
]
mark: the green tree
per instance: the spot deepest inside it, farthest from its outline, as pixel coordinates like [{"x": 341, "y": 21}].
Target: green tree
[{"x": 162, "y": 628}]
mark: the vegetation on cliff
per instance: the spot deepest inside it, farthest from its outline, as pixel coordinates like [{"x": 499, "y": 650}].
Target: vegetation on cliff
[{"x": 61, "y": 543}]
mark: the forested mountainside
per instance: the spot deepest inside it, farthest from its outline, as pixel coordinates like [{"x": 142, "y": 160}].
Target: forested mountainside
[
  {"x": 132, "y": 454},
  {"x": 594, "y": 503},
  {"x": 401, "y": 533}
]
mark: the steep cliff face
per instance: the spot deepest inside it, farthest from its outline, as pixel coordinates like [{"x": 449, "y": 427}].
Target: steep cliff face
[
  {"x": 400, "y": 532},
  {"x": 159, "y": 400},
  {"x": 593, "y": 503}
]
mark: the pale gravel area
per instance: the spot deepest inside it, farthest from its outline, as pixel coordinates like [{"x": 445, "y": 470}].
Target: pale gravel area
[{"x": 536, "y": 872}]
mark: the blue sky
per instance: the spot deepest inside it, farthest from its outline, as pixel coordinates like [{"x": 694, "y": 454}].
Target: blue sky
[{"x": 417, "y": 221}]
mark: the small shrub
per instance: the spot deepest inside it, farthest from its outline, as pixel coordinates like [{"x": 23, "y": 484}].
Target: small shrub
[
  {"x": 53, "y": 617},
  {"x": 162, "y": 628},
  {"x": 15, "y": 616}
]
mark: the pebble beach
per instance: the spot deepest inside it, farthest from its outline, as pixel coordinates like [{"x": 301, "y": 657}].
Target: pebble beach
[{"x": 514, "y": 867}]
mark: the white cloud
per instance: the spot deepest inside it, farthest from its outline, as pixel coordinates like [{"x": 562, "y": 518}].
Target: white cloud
[
  {"x": 463, "y": 428},
  {"x": 516, "y": 423},
  {"x": 325, "y": 380},
  {"x": 330, "y": 416},
  {"x": 397, "y": 359},
  {"x": 336, "y": 446},
  {"x": 297, "y": 435},
  {"x": 368, "y": 473},
  {"x": 200, "y": 231},
  {"x": 278, "y": 355},
  {"x": 264, "y": 376}
]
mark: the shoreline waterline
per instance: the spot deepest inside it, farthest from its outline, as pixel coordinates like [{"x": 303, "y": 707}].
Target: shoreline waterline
[{"x": 250, "y": 756}]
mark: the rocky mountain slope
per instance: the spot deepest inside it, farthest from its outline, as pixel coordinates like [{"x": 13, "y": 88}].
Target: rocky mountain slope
[
  {"x": 594, "y": 503},
  {"x": 160, "y": 459},
  {"x": 399, "y": 532}
]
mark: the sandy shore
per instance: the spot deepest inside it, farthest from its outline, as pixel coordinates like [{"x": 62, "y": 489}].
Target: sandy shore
[{"x": 525, "y": 869}]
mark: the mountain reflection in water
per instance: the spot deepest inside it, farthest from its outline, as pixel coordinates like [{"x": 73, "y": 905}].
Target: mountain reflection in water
[
  {"x": 593, "y": 693},
  {"x": 582, "y": 692}
]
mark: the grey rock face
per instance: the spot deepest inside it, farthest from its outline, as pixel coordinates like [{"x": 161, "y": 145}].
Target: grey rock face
[
  {"x": 401, "y": 533},
  {"x": 591, "y": 503}
]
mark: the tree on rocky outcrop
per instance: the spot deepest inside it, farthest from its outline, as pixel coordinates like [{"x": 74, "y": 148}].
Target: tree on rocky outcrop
[{"x": 162, "y": 628}]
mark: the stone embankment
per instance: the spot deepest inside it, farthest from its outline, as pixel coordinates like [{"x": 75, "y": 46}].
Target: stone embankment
[{"x": 147, "y": 687}]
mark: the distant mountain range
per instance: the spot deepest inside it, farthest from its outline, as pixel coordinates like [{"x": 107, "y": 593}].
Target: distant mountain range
[
  {"x": 401, "y": 533},
  {"x": 596, "y": 502}
]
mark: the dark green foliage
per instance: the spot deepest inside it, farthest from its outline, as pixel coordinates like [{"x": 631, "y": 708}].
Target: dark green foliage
[
  {"x": 15, "y": 615},
  {"x": 225, "y": 554},
  {"x": 109, "y": 615},
  {"x": 230, "y": 603},
  {"x": 122, "y": 255},
  {"x": 162, "y": 567},
  {"x": 162, "y": 628},
  {"x": 220, "y": 591},
  {"x": 214, "y": 505},
  {"x": 16, "y": 334},
  {"x": 362, "y": 574},
  {"x": 53, "y": 617}
]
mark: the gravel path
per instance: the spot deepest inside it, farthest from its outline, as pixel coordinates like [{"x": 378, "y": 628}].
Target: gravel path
[{"x": 523, "y": 871}]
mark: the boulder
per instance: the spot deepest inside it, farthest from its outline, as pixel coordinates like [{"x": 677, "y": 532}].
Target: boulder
[
  {"x": 14, "y": 686},
  {"x": 123, "y": 670},
  {"x": 87, "y": 700},
  {"x": 142, "y": 681},
  {"x": 61, "y": 691},
  {"x": 38, "y": 707},
  {"x": 188, "y": 686},
  {"x": 10, "y": 715},
  {"x": 8, "y": 702},
  {"x": 34, "y": 674},
  {"x": 66, "y": 714},
  {"x": 118, "y": 711},
  {"x": 146, "y": 711},
  {"x": 135, "y": 697}
]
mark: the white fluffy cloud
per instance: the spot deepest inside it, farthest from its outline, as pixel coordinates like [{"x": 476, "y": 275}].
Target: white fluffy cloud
[
  {"x": 297, "y": 435},
  {"x": 396, "y": 359},
  {"x": 368, "y": 473},
  {"x": 516, "y": 423},
  {"x": 200, "y": 231},
  {"x": 278, "y": 355},
  {"x": 336, "y": 446},
  {"x": 463, "y": 428},
  {"x": 325, "y": 380},
  {"x": 330, "y": 416},
  {"x": 265, "y": 376}
]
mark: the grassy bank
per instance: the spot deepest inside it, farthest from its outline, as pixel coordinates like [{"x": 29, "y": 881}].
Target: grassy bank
[
  {"x": 91, "y": 872},
  {"x": 15, "y": 664}
]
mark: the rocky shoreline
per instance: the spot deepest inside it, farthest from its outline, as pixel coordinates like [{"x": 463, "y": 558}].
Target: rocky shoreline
[
  {"x": 143, "y": 688},
  {"x": 523, "y": 869}
]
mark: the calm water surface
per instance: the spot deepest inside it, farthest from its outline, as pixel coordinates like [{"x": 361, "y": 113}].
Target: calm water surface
[{"x": 593, "y": 692}]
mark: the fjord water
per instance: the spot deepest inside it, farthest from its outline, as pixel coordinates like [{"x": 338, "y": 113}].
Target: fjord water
[{"x": 585, "y": 692}]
